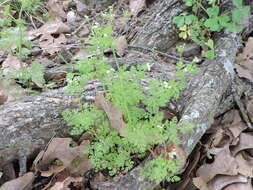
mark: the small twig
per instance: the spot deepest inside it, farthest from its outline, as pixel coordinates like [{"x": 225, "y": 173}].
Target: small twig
[
  {"x": 159, "y": 53},
  {"x": 79, "y": 28},
  {"x": 31, "y": 19}
]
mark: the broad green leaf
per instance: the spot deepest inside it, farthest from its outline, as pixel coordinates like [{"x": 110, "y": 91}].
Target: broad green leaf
[
  {"x": 188, "y": 2},
  {"x": 212, "y": 24},
  {"x": 236, "y": 15},
  {"x": 223, "y": 20},
  {"x": 210, "y": 54},
  {"x": 234, "y": 28},
  {"x": 179, "y": 20},
  {"x": 237, "y": 3},
  {"x": 245, "y": 11},
  {"x": 190, "y": 19},
  {"x": 213, "y": 11}
]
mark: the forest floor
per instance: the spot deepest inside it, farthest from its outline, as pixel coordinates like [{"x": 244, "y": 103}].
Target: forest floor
[{"x": 222, "y": 160}]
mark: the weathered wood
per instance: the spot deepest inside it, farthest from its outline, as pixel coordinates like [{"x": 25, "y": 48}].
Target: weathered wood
[
  {"x": 159, "y": 31},
  {"x": 26, "y": 125}
]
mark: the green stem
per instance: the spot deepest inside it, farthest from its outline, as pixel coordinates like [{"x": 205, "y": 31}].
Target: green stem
[
  {"x": 121, "y": 86},
  {"x": 20, "y": 32}
]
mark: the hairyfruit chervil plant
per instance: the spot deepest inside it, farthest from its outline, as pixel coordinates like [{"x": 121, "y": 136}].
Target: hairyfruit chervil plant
[
  {"x": 206, "y": 18},
  {"x": 144, "y": 128},
  {"x": 13, "y": 25},
  {"x": 12, "y": 35}
]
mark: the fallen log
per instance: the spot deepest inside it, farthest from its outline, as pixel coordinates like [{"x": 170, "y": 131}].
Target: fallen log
[{"x": 26, "y": 125}]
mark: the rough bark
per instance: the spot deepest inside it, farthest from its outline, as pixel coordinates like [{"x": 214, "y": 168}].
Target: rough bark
[{"x": 159, "y": 31}]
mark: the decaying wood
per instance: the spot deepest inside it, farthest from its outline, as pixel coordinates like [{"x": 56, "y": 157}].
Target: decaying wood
[{"x": 159, "y": 31}]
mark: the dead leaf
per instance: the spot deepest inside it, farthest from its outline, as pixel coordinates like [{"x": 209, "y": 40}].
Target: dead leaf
[
  {"x": 137, "y": 6},
  {"x": 221, "y": 181},
  {"x": 53, "y": 26},
  {"x": 55, "y": 9},
  {"x": 81, "y": 8},
  {"x": 244, "y": 60},
  {"x": 244, "y": 72},
  {"x": 232, "y": 116},
  {"x": 72, "y": 158},
  {"x": 63, "y": 185},
  {"x": 11, "y": 63},
  {"x": 237, "y": 128},
  {"x": 200, "y": 183},
  {"x": 114, "y": 115},
  {"x": 83, "y": 54},
  {"x": 247, "y": 50},
  {"x": 239, "y": 186},
  {"x": 249, "y": 106},
  {"x": 21, "y": 183},
  {"x": 10, "y": 91},
  {"x": 121, "y": 45},
  {"x": 223, "y": 164},
  {"x": 52, "y": 45},
  {"x": 246, "y": 142},
  {"x": 245, "y": 164}
]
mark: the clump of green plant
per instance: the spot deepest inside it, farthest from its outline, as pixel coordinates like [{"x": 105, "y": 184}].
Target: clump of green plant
[
  {"x": 145, "y": 125},
  {"x": 207, "y": 18},
  {"x": 12, "y": 27},
  {"x": 28, "y": 77}
]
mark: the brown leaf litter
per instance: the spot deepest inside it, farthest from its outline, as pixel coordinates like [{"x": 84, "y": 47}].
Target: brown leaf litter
[
  {"x": 21, "y": 183},
  {"x": 74, "y": 159},
  {"x": 230, "y": 148},
  {"x": 244, "y": 60},
  {"x": 114, "y": 115}
]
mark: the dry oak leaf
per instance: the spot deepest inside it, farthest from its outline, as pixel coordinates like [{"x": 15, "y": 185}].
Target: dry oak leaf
[
  {"x": 55, "y": 9},
  {"x": 64, "y": 185},
  {"x": 137, "y": 6},
  {"x": 52, "y": 45},
  {"x": 249, "y": 106},
  {"x": 59, "y": 149},
  {"x": 231, "y": 117},
  {"x": 237, "y": 128},
  {"x": 10, "y": 91},
  {"x": 245, "y": 164},
  {"x": 246, "y": 142},
  {"x": 200, "y": 183},
  {"x": 221, "y": 181},
  {"x": 11, "y": 63},
  {"x": 224, "y": 163},
  {"x": 21, "y": 183},
  {"x": 244, "y": 60},
  {"x": 114, "y": 115},
  {"x": 121, "y": 45},
  {"x": 53, "y": 26},
  {"x": 239, "y": 186}
]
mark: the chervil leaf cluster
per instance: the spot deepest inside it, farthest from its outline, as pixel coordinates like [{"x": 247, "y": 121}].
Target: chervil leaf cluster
[{"x": 140, "y": 105}]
